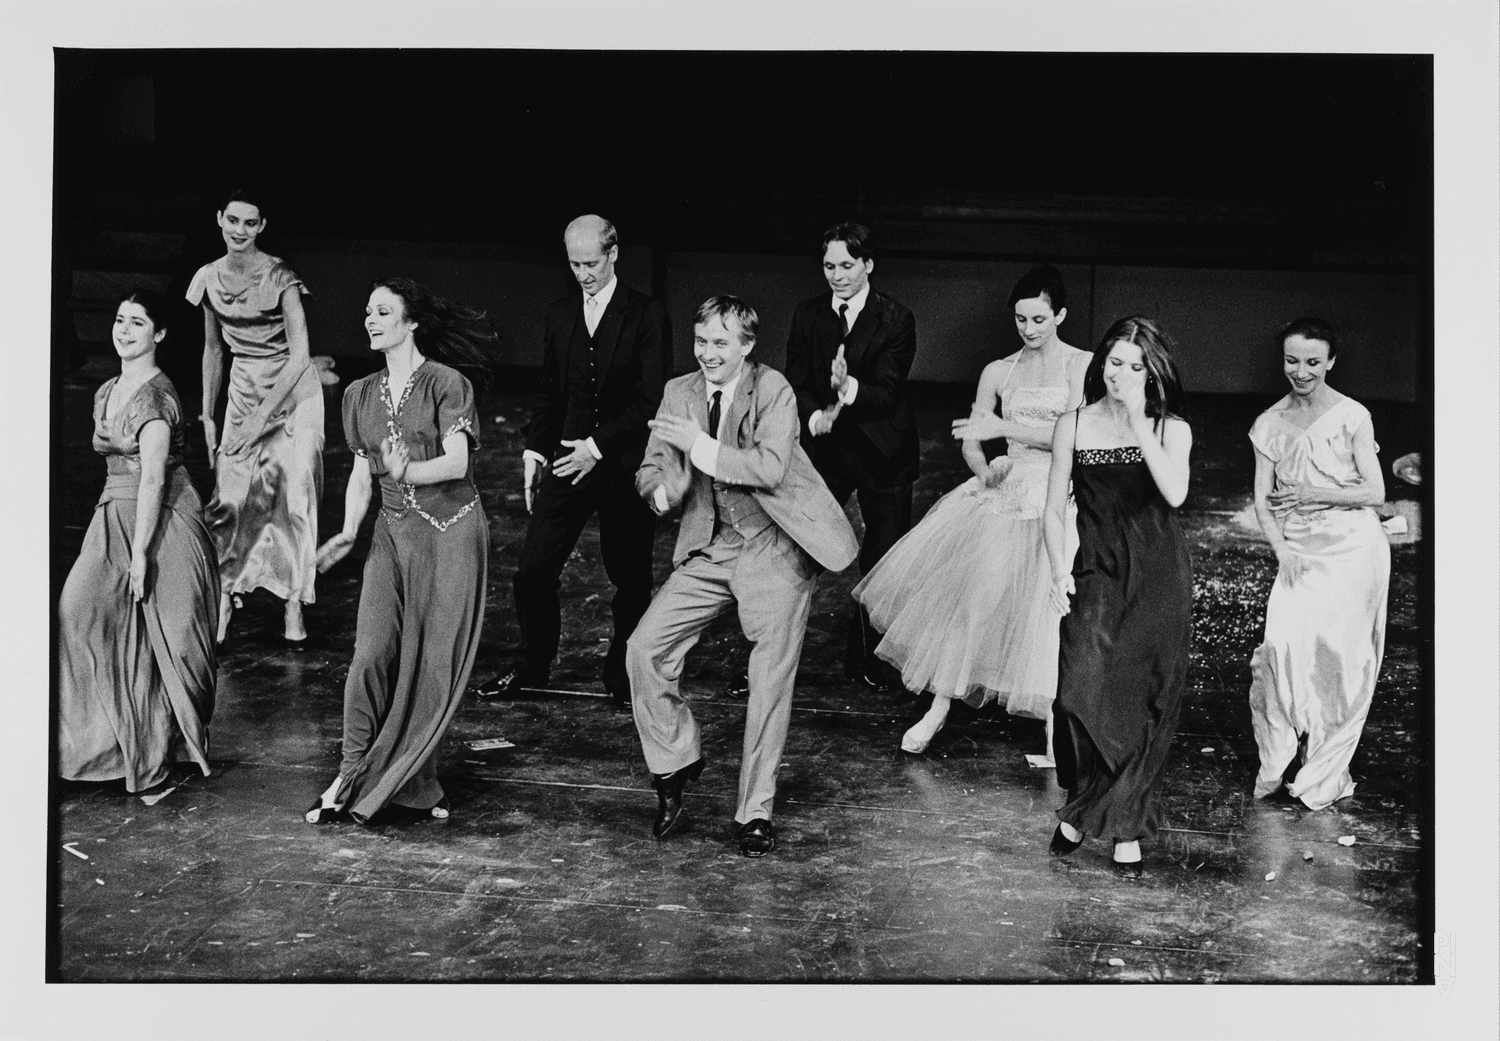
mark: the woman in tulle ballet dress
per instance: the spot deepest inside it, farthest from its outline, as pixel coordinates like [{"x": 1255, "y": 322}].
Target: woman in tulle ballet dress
[{"x": 962, "y": 599}]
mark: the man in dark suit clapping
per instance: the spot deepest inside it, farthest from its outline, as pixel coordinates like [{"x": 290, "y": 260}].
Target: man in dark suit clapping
[
  {"x": 607, "y": 353},
  {"x": 847, "y": 357}
]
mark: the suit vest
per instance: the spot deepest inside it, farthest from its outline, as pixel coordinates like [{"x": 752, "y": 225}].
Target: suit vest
[
  {"x": 578, "y": 419},
  {"x": 737, "y": 508}
]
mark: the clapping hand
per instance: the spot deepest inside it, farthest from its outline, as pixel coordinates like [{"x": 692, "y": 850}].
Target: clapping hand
[
  {"x": 840, "y": 375},
  {"x": 675, "y": 484},
  {"x": 677, "y": 431},
  {"x": 822, "y": 422},
  {"x": 395, "y": 457}
]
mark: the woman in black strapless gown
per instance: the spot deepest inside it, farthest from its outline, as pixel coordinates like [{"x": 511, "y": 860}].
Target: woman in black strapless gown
[{"x": 1127, "y": 598}]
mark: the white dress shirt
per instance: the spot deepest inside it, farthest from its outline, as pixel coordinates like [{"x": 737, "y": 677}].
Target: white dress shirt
[
  {"x": 705, "y": 453},
  {"x": 851, "y": 388},
  {"x": 591, "y": 316}
]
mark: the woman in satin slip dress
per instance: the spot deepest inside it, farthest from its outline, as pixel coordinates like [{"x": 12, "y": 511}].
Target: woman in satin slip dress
[
  {"x": 414, "y": 428},
  {"x": 1317, "y": 481},
  {"x": 268, "y": 465},
  {"x": 1126, "y": 597},
  {"x": 136, "y": 665},
  {"x": 962, "y": 599}
]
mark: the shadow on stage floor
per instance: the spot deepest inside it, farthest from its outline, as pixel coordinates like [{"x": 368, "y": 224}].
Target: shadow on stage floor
[{"x": 890, "y": 867}]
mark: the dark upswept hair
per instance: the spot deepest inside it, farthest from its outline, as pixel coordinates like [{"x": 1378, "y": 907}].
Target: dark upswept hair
[
  {"x": 1046, "y": 282},
  {"x": 150, "y": 301},
  {"x": 855, "y": 237},
  {"x": 454, "y": 334},
  {"x": 1164, "y": 396},
  {"x": 1311, "y": 328},
  {"x": 250, "y": 197},
  {"x": 724, "y": 306}
]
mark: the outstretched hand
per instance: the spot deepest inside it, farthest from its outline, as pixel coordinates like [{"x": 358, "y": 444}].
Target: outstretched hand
[{"x": 577, "y": 463}]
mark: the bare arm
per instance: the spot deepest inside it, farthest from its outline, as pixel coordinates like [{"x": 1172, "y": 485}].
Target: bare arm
[
  {"x": 154, "y": 438},
  {"x": 1055, "y": 514},
  {"x": 986, "y": 398},
  {"x": 356, "y": 502},
  {"x": 450, "y": 466},
  {"x": 299, "y": 357},
  {"x": 1168, "y": 462},
  {"x": 1265, "y": 481},
  {"x": 213, "y": 377},
  {"x": 1371, "y": 489}
]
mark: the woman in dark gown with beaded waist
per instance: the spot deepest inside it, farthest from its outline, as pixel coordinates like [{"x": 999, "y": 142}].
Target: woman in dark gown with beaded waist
[
  {"x": 1126, "y": 599},
  {"x": 413, "y": 426},
  {"x": 136, "y": 666}
]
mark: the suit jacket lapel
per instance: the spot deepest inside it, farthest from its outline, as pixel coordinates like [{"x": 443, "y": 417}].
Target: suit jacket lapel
[
  {"x": 863, "y": 331},
  {"x": 739, "y": 408},
  {"x": 607, "y": 333}
]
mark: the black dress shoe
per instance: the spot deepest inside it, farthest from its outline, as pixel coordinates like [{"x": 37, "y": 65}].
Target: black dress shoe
[
  {"x": 1132, "y": 869},
  {"x": 739, "y": 687},
  {"x": 1062, "y": 845},
  {"x": 669, "y": 789},
  {"x": 619, "y": 695},
  {"x": 511, "y": 681},
  {"x": 868, "y": 678},
  {"x": 757, "y": 838}
]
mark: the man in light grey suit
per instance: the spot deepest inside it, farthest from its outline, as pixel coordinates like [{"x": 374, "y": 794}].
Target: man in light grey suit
[{"x": 758, "y": 526}]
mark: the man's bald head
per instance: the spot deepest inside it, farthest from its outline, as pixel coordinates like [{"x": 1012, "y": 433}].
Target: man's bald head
[
  {"x": 590, "y": 241},
  {"x": 590, "y": 229}
]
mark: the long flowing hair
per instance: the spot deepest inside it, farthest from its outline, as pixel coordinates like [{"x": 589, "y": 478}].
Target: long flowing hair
[
  {"x": 1164, "y": 395},
  {"x": 449, "y": 332}
]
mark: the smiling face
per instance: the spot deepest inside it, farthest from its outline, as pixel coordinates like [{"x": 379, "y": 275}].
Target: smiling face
[
  {"x": 1305, "y": 363},
  {"x": 717, "y": 346},
  {"x": 240, "y": 223},
  {"x": 1037, "y": 322},
  {"x": 135, "y": 334},
  {"x": 385, "y": 321},
  {"x": 592, "y": 266},
  {"x": 846, "y": 275},
  {"x": 1124, "y": 370}
]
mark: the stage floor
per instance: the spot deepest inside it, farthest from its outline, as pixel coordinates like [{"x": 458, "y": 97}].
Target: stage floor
[{"x": 889, "y": 867}]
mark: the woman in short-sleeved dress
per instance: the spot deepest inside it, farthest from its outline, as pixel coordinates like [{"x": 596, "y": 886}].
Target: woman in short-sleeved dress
[
  {"x": 1126, "y": 597},
  {"x": 1317, "y": 480},
  {"x": 413, "y": 427},
  {"x": 268, "y": 468},
  {"x": 136, "y": 666}
]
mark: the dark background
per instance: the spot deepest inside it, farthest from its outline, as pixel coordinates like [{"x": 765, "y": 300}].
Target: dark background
[{"x": 1225, "y": 194}]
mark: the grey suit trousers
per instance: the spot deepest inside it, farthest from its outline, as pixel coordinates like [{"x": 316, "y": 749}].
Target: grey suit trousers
[{"x": 771, "y": 579}]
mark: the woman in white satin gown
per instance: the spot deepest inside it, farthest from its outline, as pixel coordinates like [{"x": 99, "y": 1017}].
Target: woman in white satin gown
[
  {"x": 1317, "y": 481},
  {"x": 962, "y": 599}
]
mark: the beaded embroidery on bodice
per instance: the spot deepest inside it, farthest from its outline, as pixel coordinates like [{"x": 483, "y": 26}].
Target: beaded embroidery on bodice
[{"x": 1107, "y": 456}]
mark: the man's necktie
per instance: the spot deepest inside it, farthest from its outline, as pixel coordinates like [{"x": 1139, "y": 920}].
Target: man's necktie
[
  {"x": 591, "y": 313},
  {"x": 843, "y": 322},
  {"x": 713, "y": 415}
]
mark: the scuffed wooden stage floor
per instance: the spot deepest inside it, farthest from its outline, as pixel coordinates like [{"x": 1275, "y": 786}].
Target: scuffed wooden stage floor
[{"x": 890, "y": 867}]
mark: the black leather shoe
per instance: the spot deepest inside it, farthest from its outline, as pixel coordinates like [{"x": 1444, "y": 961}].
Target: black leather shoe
[
  {"x": 868, "y": 678},
  {"x": 619, "y": 695},
  {"x": 669, "y": 789},
  {"x": 739, "y": 687},
  {"x": 1062, "y": 845},
  {"x": 512, "y": 681},
  {"x": 1131, "y": 870},
  {"x": 757, "y": 838}
]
